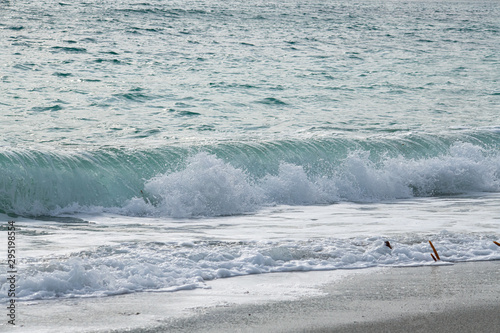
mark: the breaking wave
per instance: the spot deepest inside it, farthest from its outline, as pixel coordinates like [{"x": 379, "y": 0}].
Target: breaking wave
[{"x": 243, "y": 177}]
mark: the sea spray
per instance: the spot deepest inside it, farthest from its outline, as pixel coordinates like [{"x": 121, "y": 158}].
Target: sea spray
[
  {"x": 210, "y": 187},
  {"x": 207, "y": 186}
]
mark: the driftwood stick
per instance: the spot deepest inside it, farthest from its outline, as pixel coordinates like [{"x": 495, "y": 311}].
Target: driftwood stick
[{"x": 435, "y": 252}]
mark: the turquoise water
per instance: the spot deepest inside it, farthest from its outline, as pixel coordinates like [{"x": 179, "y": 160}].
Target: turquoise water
[
  {"x": 131, "y": 74},
  {"x": 98, "y": 105},
  {"x": 174, "y": 110}
]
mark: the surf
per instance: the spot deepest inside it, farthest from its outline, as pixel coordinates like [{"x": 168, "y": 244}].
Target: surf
[{"x": 240, "y": 177}]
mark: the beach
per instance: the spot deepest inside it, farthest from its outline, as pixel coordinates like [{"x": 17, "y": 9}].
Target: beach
[{"x": 461, "y": 297}]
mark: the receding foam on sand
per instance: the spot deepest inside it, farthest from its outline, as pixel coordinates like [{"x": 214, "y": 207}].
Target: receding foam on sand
[{"x": 445, "y": 298}]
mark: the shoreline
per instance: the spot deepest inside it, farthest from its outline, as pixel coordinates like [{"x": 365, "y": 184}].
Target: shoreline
[
  {"x": 464, "y": 297},
  {"x": 446, "y": 298}
]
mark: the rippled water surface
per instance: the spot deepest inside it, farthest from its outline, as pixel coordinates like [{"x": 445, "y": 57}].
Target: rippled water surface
[{"x": 129, "y": 73}]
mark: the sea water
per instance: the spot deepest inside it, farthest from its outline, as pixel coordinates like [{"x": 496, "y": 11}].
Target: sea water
[{"x": 154, "y": 146}]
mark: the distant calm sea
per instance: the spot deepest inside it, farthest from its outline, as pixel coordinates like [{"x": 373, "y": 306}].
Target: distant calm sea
[{"x": 157, "y": 145}]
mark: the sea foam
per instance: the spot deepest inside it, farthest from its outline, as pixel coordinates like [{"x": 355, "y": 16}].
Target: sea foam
[
  {"x": 208, "y": 186},
  {"x": 170, "y": 266}
]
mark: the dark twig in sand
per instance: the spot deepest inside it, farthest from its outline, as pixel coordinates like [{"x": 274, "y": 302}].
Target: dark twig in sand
[{"x": 435, "y": 252}]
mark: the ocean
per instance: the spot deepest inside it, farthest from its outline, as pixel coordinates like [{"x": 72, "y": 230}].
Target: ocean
[{"x": 155, "y": 146}]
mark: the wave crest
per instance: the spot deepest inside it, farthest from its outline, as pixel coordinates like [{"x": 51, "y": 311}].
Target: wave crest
[
  {"x": 208, "y": 186},
  {"x": 228, "y": 180}
]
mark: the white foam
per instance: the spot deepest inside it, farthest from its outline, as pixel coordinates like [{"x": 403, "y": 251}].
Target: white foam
[
  {"x": 208, "y": 186},
  {"x": 170, "y": 266}
]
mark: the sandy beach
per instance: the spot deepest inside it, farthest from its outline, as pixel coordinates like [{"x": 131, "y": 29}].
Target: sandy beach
[{"x": 464, "y": 297}]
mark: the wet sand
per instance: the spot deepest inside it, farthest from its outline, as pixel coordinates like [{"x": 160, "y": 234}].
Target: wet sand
[{"x": 463, "y": 297}]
